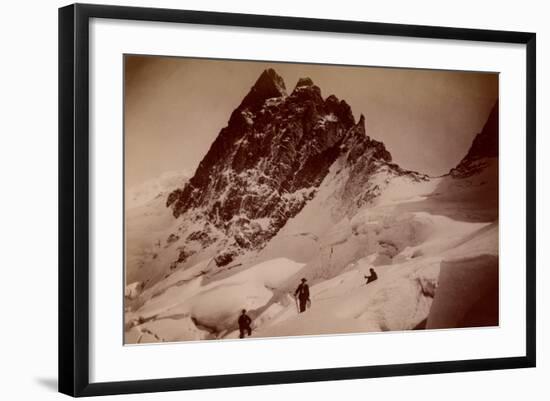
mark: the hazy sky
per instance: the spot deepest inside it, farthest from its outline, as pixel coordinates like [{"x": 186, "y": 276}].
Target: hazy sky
[{"x": 175, "y": 107}]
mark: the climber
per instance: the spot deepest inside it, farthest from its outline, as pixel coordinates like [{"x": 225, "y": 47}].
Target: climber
[
  {"x": 373, "y": 276},
  {"x": 302, "y": 292},
  {"x": 244, "y": 324}
]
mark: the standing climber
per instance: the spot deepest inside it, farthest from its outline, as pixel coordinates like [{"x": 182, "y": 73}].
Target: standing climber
[
  {"x": 302, "y": 292},
  {"x": 244, "y": 324},
  {"x": 373, "y": 276}
]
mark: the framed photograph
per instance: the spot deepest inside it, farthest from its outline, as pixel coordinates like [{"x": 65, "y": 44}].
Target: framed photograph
[{"x": 251, "y": 199}]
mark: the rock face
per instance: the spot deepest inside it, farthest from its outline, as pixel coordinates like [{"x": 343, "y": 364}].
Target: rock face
[
  {"x": 268, "y": 162},
  {"x": 484, "y": 146}
]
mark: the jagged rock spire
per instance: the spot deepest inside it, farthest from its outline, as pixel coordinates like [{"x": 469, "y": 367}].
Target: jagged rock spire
[
  {"x": 269, "y": 161},
  {"x": 268, "y": 85},
  {"x": 304, "y": 82},
  {"x": 484, "y": 146}
]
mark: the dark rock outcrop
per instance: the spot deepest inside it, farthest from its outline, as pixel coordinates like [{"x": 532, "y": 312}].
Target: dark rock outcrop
[{"x": 484, "y": 146}]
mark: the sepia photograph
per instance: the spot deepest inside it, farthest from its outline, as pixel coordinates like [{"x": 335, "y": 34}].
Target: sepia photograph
[{"x": 270, "y": 199}]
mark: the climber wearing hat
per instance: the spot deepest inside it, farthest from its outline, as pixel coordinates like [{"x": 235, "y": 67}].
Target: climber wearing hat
[
  {"x": 302, "y": 292},
  {"x": 244, "y": 324}
]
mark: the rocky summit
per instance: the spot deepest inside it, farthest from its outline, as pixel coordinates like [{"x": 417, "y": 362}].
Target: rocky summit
[
  {"x": 484, "y": 147},
  {"x": 268, "y": 162}
]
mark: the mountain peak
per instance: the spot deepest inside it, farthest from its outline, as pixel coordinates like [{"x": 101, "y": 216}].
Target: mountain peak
[
  {"x": 484, "y": 146},
  {"x": 304, "y": 82},
  {"x": 270, "y": 77},
  {"x": 267, "y": 163},
  {"x": 306, "y": 89},
  {"x": 268, "y": 85}
]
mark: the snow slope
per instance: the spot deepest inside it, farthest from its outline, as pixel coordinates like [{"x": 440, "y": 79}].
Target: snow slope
[
  {"x": 294, "y": 187},
  {"x": 146, "y": 217},
  {"x": 183, "y": 307},
  {"x": 419, "y": 236}
]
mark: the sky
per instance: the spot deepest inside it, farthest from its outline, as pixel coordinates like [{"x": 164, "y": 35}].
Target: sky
[{"x": 175, "y": 107}]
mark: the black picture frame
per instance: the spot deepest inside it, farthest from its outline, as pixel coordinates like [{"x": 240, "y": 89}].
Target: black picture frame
[{"x": 74, "y": 198}]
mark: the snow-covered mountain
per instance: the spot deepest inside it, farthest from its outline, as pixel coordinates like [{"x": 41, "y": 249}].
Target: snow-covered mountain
[
  {"x": 146, "y": 219},
  {"x": 294, "y": 187},
  {"x": 268, "y": 163}
]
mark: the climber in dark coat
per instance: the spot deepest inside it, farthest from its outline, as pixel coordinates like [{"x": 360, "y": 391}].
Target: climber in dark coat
[
  {"x": 244, "y": 324},
  {"x": 302, "y": 292},
  {"x": 373, "y": 276}
]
